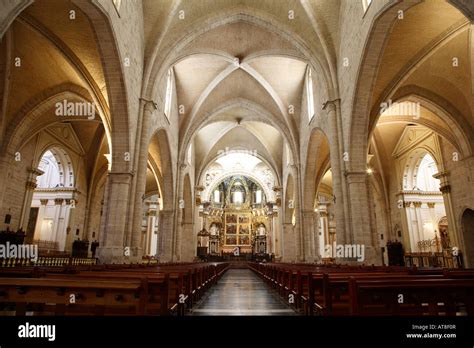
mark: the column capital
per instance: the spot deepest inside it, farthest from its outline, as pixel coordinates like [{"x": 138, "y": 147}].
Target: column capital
[
  {"x": 355, "y": 177},
  {"x": 30, "y": 185},
  {"x": 441, "y": 175},
  {"x": 44, "y": 201},
  {"x": 35, "y": 172},
  {"x": 323, "y": 214},
  {"x": 166, "y": 213},
  {"x": 308, "y": 213},
  {"x": 58, "y": 201},
  {"x": 331, "y": 105},
  {"x": 149, "y": 104},
  {"x": 431, "y": 204},
  {"x": 293, "y": 166},
  {"x": 445, "y": 188},
  {"x": 417, "y": 204},
  {"x": 151, "y": 213},
  {"x": 120, "y": 177}
]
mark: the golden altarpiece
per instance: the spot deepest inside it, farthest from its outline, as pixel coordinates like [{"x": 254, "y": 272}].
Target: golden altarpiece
[{"x": 237, "y": 218}]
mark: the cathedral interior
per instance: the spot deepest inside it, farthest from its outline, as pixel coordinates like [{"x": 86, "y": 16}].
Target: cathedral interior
[{"x": 278, "y": 132}]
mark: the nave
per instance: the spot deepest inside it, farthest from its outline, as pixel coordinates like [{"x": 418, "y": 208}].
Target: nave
[{"x": 241, "y": 292}]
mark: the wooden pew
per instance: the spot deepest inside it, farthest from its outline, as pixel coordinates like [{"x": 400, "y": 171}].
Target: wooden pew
[
  {"x": 329, "y": 292},
  {"x": 93, "y": 297},
  {"x": 168, "y": 288},
  {"x": 324, "y": 290},
  {"x": 420, "y": 296},
  {"x": 158, "y": 301}
]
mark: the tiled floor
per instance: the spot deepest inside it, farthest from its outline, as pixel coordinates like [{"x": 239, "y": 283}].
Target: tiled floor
[{"x": 241, "y": 292}]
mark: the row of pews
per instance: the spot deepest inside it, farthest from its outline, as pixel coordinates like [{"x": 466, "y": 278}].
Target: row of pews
[
  {"x": 163, "y": 289},
  {"x": 336, "y": 290}
]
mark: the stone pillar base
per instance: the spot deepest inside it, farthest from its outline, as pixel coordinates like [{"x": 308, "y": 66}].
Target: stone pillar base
[
  {"x": 373, "y": 256},
  {"x": 136, "y": 255},
  {"x": 111, "y": 255}
]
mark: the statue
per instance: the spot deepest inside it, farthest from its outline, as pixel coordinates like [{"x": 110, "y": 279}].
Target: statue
[
  {"x": 445, "y": 242},
  {"x": 261, "y": 230},
  {"x": 214, "y": 229}
]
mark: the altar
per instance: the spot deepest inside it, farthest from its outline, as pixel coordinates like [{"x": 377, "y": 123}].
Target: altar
[
  {"x": 237, "y": 232},
  {"x": 237, "y": 218}
]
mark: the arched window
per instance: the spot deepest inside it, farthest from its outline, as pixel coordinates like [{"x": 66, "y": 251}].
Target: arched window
[
  {"x": 217, "y": 196},
  {"x": 424, "y": 176},
  {"x": 288, "y": 153},
  {"x": 238, "y": 193},
  {"x": 310, "y": 95},
  {"x": 258, "y": 196},
  {"x": 190, "y": 153},
  {"x": 53, "y": 174},
  {"x": 53, "y": 199},
  {"x": 57, "y": 169},
  {"x": 169, "y": 93}
]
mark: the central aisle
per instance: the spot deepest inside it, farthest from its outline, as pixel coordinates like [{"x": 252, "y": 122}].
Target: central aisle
[{"x": 241, "y": 292}]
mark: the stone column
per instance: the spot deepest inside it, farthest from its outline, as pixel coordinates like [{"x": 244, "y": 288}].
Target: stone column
[
  {"x": 289, "y": 243},
  {"x": 58, "y": 202},
  {"x": 296, "y": 211},
  {"x": 411, "y": 233},
  {"x": 431, "y": 207},
  {"x": 308, "y": 226},
  {"x": 445, "y": 189},
  {"x": 134, "y": 234},
  {"x": 277, "y": 233},
  {"x": 278, "y": 223},
  {"x": 324, "y": 229},
  {"x": 337, "y": 172},
  {"x": 165, "y": 249},
  {"x": 154, "y": 238},
  {"x": 113, "y": 249},
  {"x": 187, "y": 242},
  {"x": 39, "y": 221},
  {"x": 270, "y": 235},
  {"x": 332, "y": 232},
  {"x": 150, "y": 229},
  {"x": 103, "y": 214},
  {"x": 419, "y": 221},
  {"x": 30, "y": 188},
  {"x": 180, "y": 206},
  {"x": 69, "y": 223},
  {"x": 62, "y": 235},
  {"x": 318, "y": 253},
  {"x": 360, "y": 216}
]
